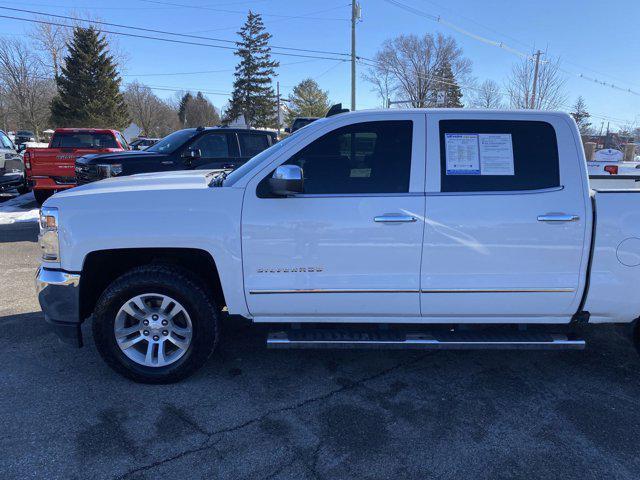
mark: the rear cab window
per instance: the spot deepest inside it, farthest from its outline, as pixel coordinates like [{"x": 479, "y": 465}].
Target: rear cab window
[
  {"x": 83, "y": 140},
  {"x": 497, "y": 155}
]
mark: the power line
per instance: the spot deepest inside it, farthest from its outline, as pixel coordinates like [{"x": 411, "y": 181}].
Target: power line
[
  {"x": 501, "y": 45},
  {"x": 446, "y": 81},
  {"x": 163, "y": 32},
  {"x": 199, "y": 72},
  {"x": 204, "y": 7},
  {"x": 160, "y": 39}
]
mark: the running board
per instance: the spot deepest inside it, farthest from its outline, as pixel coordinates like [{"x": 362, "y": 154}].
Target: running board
[{"x": 446, "y": 340}]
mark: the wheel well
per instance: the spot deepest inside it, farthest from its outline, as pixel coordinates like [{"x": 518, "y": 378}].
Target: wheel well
[{"x": 103, "y": 267}]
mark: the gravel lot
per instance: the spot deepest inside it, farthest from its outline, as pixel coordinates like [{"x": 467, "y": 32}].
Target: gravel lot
[{"x": 255, "y": 413}]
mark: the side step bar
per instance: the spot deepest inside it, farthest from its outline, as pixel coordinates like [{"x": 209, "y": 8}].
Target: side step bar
[{"x": 465, "y": 340}]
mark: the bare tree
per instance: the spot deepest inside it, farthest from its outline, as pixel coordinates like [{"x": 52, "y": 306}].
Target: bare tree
[
  {"x": 51, "y": 41},
  {"x": 407, "y": 67},
  {"x": 154, "y": 116},
  {"x": 381, "y": 81},
  {"x": 550, "y": 86},
  {"x": 487, "y": 95},
  {"x": 27, "y": 88}
]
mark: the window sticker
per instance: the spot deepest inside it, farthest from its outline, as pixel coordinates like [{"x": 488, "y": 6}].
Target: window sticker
[
  {"x": 496, "y": 154},
  {"x": 462, "y": 154}
]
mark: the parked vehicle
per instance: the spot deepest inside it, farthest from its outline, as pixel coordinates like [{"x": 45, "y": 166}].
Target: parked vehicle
[
  {"x": 12, "y": 175},
  {"x": 191, "y": 148},
  {"x": 24, "y": 136},
  {"x": 437, "y": 219},
  {"x": 143, "y": 143},
  {"x": 52, "y": 169},
  {"x": 609, "y": 161},
  {"x": 300, "y": 122}
]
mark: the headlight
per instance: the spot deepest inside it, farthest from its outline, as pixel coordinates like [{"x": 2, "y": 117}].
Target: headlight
[
  {"x": 49, "y": 234},
  {"x": 106, "y": 171}
]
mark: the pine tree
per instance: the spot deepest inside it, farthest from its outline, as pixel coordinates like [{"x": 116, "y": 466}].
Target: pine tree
[
  {"x": 182, "y": 108},
  {"x": 89, "y": 85},
  {"x": 253, "y": 95},
  {"x": 581, "y": 115},
  {"x": 307, "y": 100},
  {"x": 445, "y": 81}
]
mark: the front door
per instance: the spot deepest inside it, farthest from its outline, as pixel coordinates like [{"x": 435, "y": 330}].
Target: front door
[
  {"x": 216, "y": 149},
  {"x": 349, "y": 247},
  {"x": 506, "y": 221}
]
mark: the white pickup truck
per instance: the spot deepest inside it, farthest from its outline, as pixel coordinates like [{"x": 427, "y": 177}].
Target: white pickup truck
[{"x": 393, "y": 228}]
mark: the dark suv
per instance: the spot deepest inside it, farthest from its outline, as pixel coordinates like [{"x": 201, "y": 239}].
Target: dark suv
[{"x": 191, "y": 148}]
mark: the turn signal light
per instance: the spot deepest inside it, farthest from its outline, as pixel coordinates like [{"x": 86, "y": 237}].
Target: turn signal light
[{"x": 611, "y": 169}]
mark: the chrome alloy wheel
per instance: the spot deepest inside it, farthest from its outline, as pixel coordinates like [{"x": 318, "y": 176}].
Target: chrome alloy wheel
[{"x": 153, "y": 330}]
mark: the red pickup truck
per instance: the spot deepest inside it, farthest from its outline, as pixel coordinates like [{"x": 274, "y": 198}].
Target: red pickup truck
[{"x": 52, "y": 169}]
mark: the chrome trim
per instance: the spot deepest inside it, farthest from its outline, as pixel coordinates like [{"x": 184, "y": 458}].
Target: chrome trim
[
  {"x": 500, "y": 192},
  {"x": 432, "y": 290},
  {"x": 356, "y": 195},
  {"x": 394, "y": 219},
  {"x": 558, "y": 217},
  {"x": 59, "y": 295},
  {"x": 497, "y": 290},
  {"x": 335, "y": 290}
]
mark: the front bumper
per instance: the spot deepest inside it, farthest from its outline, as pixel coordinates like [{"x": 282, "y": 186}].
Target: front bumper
[
  {"x": 9, "y": 181},
  {"x": 59, "y": 296},
  {"x": 40, "y": 182}
]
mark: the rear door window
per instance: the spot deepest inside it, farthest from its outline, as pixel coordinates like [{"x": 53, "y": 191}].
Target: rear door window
[
  {"x": 498, "y": 155},
  {"x": 252, "y": 144}
]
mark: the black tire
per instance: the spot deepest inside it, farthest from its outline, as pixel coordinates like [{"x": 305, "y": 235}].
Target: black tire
[
  {"x": 22, "y": 189},
  {"x": 42, "y": 195},
  {"x": 162, "y": 279}
]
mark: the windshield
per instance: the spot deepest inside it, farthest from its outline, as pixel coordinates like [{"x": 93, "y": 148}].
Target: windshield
[
  {"x": 238, "y": 173},
  {"x": 171, "y": 143}
]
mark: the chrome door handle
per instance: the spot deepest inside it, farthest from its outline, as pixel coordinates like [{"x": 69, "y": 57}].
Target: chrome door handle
[
  {"x": 558, "y": 217},
  {"x": 394, "y": 219}
]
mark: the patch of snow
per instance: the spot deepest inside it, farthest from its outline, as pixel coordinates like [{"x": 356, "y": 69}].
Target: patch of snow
[{"x": 22, "y": 208}]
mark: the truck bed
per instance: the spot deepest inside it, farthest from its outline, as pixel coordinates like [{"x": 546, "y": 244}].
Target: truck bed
[{"x": 615, "y": 257}]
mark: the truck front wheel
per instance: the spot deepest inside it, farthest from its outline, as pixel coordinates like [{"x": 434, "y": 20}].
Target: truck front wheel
[{"x": 155, "y": 324}]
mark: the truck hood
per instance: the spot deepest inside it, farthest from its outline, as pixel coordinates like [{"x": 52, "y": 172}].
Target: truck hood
[
  {"x": 175, "y": 180},
  {"x": 116, "y": 157}
]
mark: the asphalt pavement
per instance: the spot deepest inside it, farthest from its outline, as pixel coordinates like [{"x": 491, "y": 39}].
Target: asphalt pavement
[{"x": 253, "y": 413}]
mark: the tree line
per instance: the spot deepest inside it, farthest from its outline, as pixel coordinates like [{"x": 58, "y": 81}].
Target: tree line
[{"x": 69, "y": 76}]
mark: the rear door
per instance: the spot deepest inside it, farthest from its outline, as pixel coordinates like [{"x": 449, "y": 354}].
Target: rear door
[
  {"x": 251, "y": 144},
  {"x": 506, "y": 219}
]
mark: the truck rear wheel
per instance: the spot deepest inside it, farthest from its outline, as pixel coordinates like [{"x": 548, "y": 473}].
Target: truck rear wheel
[
  {"x": 155, "y": 324},
  {"x": 42, "y": 195}
]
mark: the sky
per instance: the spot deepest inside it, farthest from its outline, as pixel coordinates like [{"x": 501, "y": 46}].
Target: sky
[{"x": 592, "y": 38}]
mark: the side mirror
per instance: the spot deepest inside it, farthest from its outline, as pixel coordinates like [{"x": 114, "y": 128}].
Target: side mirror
[
  {"x": 192, "y": 153},
  {"x": 287, "y": 130},
  {"x": 287, "y": 180}
]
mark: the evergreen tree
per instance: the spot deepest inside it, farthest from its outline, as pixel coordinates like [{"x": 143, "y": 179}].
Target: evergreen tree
[
  {"x": 581, "y": 115},
  {"x": 445, "y": 81},
  {"x": 89, "y": 85},
  {"x": 253, "y": 95},
  {"x": 307, "y": 100},
  {"x": 182, "y": 108}
]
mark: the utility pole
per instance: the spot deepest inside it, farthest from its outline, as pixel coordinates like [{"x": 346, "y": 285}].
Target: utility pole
[
  {"x": 278, "y": 107},
  {"x": 535, "y": 79},
  {"x": 355, "y": 16}
]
